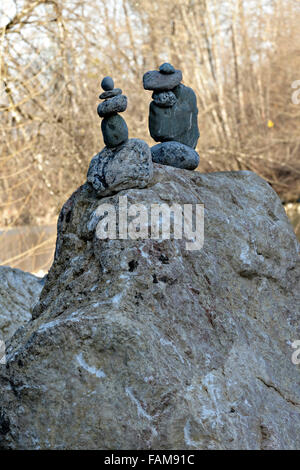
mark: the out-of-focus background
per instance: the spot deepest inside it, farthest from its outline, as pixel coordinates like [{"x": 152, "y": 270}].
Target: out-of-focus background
[{"x": 242, "y": 58}]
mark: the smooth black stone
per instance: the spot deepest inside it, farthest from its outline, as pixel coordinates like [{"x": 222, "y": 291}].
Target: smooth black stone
[
  {"x": 175, "y": 154},
  {"x": 110, "y": 93},
  {"x": 179, "y": 122},
  {"x": 107, "y": 83},
  {"x": 166, "y": 68},
  {"x": 114, "y": 130},
  {"x": 114, "y": 105},
  {"x": 157, "y": 81},
  {"x": 164, "y": 99}
]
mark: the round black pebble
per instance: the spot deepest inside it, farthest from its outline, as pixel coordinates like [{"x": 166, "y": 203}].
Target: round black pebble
[
  {"x": 166, "y": 68},
  {"x": 107, "y": 84}
]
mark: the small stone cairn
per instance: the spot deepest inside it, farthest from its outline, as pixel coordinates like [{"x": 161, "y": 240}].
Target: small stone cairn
[
  {"x": 123, "y": 163},
  {"x": 172, "y": 118},
  {"x": 113, "y": 126}
]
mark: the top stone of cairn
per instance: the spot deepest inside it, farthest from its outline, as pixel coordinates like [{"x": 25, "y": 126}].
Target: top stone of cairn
[
  {"x": 165, "y": 79},
  {"x": 166, "y": 68},
  {"x": 107, "y": 84}
]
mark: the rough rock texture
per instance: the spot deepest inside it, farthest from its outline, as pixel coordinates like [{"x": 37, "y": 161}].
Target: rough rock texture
[
  {"x": 154, "y": 80},
  {"x": 178, "y": 122},
  {"x": 116, "y": 104},
  {"x": 143, "y": 344},
  {"x": 127, "y": 166},
  {"x": 175, "y": 154},
  {"x": 164, "y": 99},
  {"x": 18, "y": 292}
]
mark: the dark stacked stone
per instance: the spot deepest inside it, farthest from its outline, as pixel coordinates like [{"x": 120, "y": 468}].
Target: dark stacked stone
[
  {"x": 172, "y": 118},
  {"x": 113, "y": 126},
  {"x": 122, "y": 164},
  {"x": 174, "y": 153}
]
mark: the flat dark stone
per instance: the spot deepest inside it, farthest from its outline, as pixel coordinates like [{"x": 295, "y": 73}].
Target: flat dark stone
[
  {"x": 117, "y": 104},
  {"x": 110, "y": 93},
  {"x": 177, "y": 123},
  {"x": 114, "y": 130},
  {"x": 175, "y": 154},
  {"x": 164, "y": 99},
  {"x": 154, "y": 80}
]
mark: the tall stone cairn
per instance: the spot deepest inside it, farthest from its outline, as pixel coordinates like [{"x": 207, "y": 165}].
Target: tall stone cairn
[
  {"x": 172, "y": 118},
  {"x": 113, "y": 126}
]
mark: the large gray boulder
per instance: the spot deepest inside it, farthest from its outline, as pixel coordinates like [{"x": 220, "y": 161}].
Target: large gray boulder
[
  {"x": 18, "y": 292},
  {"x": 143, "y": 344}
]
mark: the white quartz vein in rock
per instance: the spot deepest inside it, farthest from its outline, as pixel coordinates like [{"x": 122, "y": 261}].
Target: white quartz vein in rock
[
  {"x": 166, "y": 342},
  {"x": 187, "y": 430},
  {"x": 140, "y": 409},
  {"x": 91, "y": 369},
  {"x": 244, "y": 255}
]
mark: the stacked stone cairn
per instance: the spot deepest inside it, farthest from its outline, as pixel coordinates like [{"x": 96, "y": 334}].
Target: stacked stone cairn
[
  {"x": 172, "y": 118},
  {"x": 113, "y": 126},
  {"x": 123, "y": 163}
]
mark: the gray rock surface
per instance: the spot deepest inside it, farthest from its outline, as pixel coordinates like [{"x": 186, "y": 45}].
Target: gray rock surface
[
  {"x": 116, "y": 104},
  {"x": 178, "y": 122},
  {"x": 145, "y": 345},
  {"x": 175, "y": 154},
  {"x": 18, "y": 292},
  {"x": 128, "y": 166},
  {"x": 157, "y": 81},
  {"x": 164, "y": 99},
  {"x": 114, "y": 130}
]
